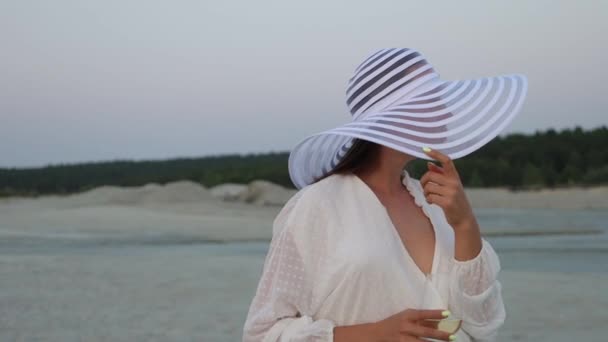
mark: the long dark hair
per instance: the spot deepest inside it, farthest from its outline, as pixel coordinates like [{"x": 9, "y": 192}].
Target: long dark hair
[{"x": 361, "y": 153}]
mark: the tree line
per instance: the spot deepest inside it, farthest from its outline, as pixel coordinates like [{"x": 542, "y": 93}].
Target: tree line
[{"x": 570, "y": 157}]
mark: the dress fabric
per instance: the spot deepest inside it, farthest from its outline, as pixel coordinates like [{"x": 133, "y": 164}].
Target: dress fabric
[{"x": 336, "y": 259}]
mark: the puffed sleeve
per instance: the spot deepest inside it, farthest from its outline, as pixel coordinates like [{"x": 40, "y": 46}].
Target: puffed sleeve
[
  {"x": 284, "y": 303},
  {"x": 475, "y": 294}
]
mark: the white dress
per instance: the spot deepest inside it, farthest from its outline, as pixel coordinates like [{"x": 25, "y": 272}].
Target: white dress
[{"x": 336, "y": 259}]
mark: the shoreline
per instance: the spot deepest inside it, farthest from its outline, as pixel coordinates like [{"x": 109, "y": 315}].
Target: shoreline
[{"x": 23, "y": 238}]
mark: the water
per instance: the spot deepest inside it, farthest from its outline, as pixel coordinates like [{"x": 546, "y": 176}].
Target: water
[
  {"x": 175, "y": 288},
  {"x": 542, "y": 218}
]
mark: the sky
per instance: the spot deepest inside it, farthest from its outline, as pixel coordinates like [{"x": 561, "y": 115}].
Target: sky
[{"x": 84, "y": 81}]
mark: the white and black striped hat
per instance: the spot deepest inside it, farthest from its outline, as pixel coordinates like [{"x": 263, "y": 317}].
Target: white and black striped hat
[{"x": 398, "y": 100}]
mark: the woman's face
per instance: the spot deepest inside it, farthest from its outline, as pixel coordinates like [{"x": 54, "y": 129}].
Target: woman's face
[{"x": 394, "y": 155}]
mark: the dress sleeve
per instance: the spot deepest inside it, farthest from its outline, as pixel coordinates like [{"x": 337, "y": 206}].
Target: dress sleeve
[
  {"x": 475, "y": 294},
  {"x": 284, "y": 303}
]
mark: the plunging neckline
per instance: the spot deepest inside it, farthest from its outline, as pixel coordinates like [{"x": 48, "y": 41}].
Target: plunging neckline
[{"x": 420, "y": 202}]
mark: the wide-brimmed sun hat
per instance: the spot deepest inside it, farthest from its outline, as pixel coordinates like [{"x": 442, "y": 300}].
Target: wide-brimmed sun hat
[{"x": 398, "y": 100}]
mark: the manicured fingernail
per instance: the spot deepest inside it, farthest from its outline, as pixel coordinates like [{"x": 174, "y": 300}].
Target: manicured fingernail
[
  {"x": 426, "y": 149},
  {"x": 446, "y": 313},
  {"x": 452, "y": 337}
]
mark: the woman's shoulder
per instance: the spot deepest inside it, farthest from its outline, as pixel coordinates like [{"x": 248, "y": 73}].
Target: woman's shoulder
[
  {"x": 322, "y": 191},
  {"x": 327, "y": 187},
  {"x": 312, "y": 202}
]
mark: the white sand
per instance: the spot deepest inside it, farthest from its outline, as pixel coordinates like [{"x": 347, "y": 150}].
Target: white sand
[
  {"x": 264, "y": 193},
  {"x": 570, "y": 198},
  {"x": 229, "y": 191},
  {"x": 225, "y": 213}
]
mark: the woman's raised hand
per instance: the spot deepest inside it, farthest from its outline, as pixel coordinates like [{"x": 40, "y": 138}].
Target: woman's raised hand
[
  {"x": 442, "y": 186},
  {"x": 410, "y": 325}
]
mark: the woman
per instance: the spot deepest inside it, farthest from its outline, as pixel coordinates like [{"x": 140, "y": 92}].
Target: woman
[{"x": 351, "y": 250}]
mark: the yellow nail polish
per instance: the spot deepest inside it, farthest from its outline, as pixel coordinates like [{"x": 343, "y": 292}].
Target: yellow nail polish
[
  {"x": 446, "y": 313},
  {"x": 426, "y": 149},
  {"x": 452, "y": 337}
]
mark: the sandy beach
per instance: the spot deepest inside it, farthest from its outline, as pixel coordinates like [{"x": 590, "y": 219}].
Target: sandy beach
[
  {"x": 180, "y": 262},
  {"x": 229, "y": 212}
]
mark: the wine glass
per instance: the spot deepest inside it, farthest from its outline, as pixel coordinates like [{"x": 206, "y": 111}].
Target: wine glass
[{"x": 431, "y": 299}]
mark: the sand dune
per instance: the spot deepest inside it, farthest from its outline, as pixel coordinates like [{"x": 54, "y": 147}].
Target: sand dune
[
  {"x": 265, "y": 193},
  {"x": 181, "y": 191},
  {"x": 262, "y": 192},
  {"x": 228, "y": 191}
]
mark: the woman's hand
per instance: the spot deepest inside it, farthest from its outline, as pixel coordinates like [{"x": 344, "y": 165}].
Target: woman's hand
[
  {"x": 410, "y": 325},
  {"x": 443, "y": 187}
]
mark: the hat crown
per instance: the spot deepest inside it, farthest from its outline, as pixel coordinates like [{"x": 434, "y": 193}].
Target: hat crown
[{"x": 385, "y": 76}]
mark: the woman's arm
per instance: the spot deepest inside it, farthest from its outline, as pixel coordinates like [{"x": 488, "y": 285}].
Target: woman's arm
[
  {"x": 475, "y": 292},
  {"x": 284, "y": 302},
  {"x": 364, "y": 332},
  {"x": 467, "y": 238},
  {"x": 281, "y": 307},
  {"x": 409, "y": 325}
]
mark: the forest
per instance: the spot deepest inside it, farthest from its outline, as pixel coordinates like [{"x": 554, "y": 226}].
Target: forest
[{"x": 545, "y": 159}]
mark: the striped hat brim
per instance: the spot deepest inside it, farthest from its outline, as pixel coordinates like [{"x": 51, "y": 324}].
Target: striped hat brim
[{"x": 454, "y": 117}]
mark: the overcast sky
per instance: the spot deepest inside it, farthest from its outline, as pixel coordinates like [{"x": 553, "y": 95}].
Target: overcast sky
[{"x": 123, "y": 79}]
